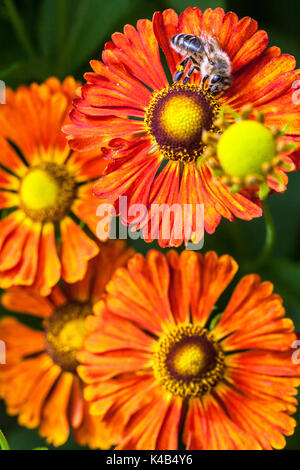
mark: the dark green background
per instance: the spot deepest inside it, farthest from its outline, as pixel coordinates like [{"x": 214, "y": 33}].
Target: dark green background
[{"x": 61, "y": 36}]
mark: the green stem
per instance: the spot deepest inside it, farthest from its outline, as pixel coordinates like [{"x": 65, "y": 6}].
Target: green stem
[
  {"x": 3, "y": 442},
  {"x": 18, "y": 25},
  {"x": 270, "y": 233},
  {"x": 269, "y": 240}
]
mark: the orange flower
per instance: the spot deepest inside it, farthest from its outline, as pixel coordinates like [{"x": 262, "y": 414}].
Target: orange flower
[
  {"x": 44, "y": 187},
  {"x": 162, "y": 367},
  {"x": 39, "y": 382},
  {"x": 154, "y": 151}
]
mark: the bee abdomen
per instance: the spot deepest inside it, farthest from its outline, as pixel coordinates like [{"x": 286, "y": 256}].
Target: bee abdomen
[{"x": 186, "y": 44}]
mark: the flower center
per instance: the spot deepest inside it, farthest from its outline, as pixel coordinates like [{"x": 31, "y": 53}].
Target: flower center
[
  {"x": 244, "y": 147},
  {"x": 47, "y": 192},
  {"x": 188, "y": 361},
  {"x": 176, "y": 118},
  {"x": 65, "y": 333}
]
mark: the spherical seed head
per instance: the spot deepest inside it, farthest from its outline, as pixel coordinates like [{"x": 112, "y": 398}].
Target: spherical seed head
[{"x": 244, "y": 147}]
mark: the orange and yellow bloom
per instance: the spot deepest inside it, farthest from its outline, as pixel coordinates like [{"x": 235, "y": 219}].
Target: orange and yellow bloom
[
  {"x": 39, "y": 383},
  {"x": 153, "y": 130},
  {"x": 163, "y": 367},
  {"x": 45, "y": 188}
]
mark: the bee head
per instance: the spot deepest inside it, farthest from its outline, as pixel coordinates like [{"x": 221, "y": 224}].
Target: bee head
[{"x": 218, "y": 83}]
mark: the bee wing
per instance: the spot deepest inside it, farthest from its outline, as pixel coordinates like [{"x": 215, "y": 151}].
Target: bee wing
[{"x": 215, "y": 42}]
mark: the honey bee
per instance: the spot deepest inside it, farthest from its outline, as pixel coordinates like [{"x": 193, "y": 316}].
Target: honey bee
[{"x": 207, "y": 57}]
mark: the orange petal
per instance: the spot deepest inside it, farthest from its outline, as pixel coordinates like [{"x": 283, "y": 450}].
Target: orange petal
[
  {"x": 259, "y": 418},
  {"x": 139, "y": 301},
  {"x": 243, "y": 31},
  {"x": 138, "y": 51},
  {"x": 76, "y": 409},
  {"x": 113, "y": 254},
  {"x": 242, "y": 375},
  {"x": 145, "y": 426},
  {"x": 55, "y": 424},
  {"x": 9, "y": 224},
  {"x": 8, "y": 200},
  {"x": 31, "y": 410},
  {"x": 22, "y": 300},
  {"x": 49, "y": 268},
  {"x": 255, "y": 318},
  {"x": 9, "y": 182},
  {"x": 13, "y": 247},
  {"x": 86, "y": 205},
  {"x": 165, "y": 26},
  {"x": 163, "y": 194},
  {"x": 108, "y": 332},
  {"x": 86, "y": 165},
  {"x": 77, "y": 250},
  {"x": 170, "y": 429},
  {"x": 20, "y": 340},
  {"x": 185, "y": 275},
  {"x": 24, "y": 272},
  {"x": 93, "y": 432},
  {"x": 9, "y": 159},
  {"x": 250, "y": 50},
  {"x": 216, "y": 274},
  {"x": 110, "y": 364},
  {"x": 19, "y": 382}
]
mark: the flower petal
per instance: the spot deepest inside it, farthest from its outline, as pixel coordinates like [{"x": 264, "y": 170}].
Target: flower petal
[
  {"x": 49, "y": 268},
  {"x": 55, "y": 424},
  {"x": 77, "y": 250},
  {"x": 24, "y": 300}
]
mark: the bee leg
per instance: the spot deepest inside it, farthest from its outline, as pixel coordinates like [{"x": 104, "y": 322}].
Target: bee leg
[
  {"x": 191, "y": 70},
  {"x": 180, "y": 70},
  {"x": 204, "y": 80}
]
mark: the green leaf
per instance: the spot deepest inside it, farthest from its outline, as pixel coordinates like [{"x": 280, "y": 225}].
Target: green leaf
[
  {"x": 47, "y": 27},
  {"x": 180, "y": 5},
  {"x": 3, "y": 442},
  {"x": 26, "y": 71},
  {"x": 52, "y": 25},
  {"x": 7, "y": 71},
  {"x": 93, "y": 21}
]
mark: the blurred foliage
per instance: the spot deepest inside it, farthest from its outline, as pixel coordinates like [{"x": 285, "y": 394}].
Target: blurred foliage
[
  {"x": 40, "y": 38},
  {"x": 58, "y": 37}
]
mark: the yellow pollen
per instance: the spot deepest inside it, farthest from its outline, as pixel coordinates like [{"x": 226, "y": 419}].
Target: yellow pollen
[
  {"x": 65, "y": 331},
  {"x": 189, "y": 360},
  {"x": 176, "y": 118},
  {"x": 72, "y": 334},
  {"x": 47, "y": 192},
  {"x": 181, "y": 117},
  {"x": 39, "y": 190}
]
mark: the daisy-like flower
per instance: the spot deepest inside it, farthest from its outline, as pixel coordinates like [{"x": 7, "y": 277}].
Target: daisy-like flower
[
  {"x": 45, "y": 188},
  {"x": 39, "y": 383},
  {"x": 155, "y": 128},
  {"x": 163, "y": 370},
  {"x": 262, "y": 167}
]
